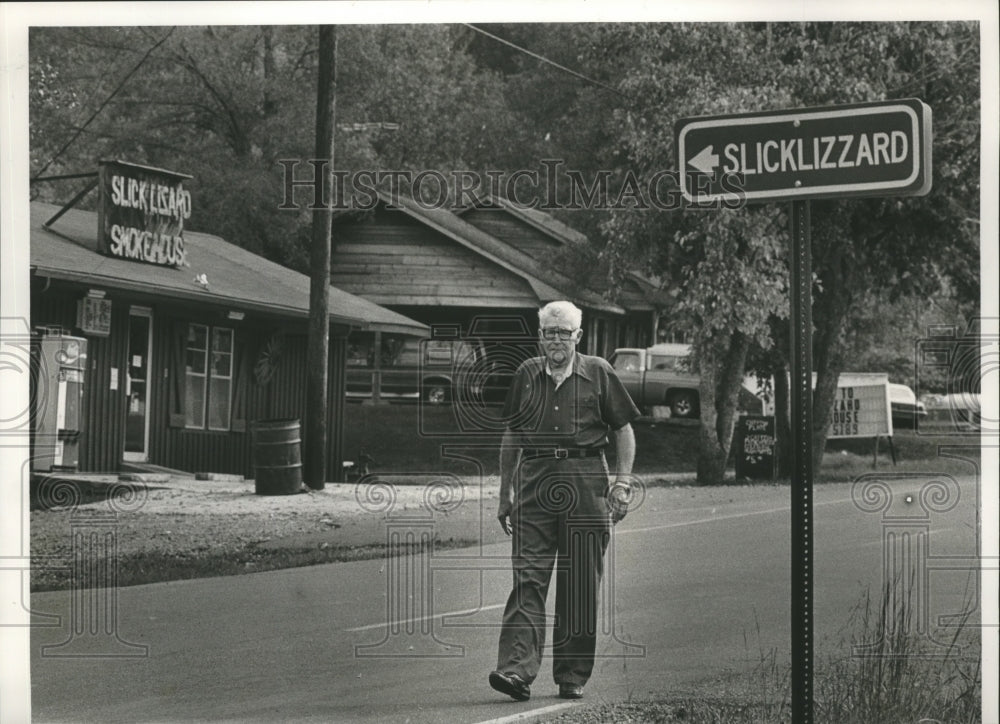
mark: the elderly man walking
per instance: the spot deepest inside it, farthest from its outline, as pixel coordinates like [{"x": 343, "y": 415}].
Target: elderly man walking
[{"x": 562, "y": 409}]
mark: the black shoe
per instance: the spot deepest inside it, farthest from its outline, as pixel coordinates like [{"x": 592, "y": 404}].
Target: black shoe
[
  {"x": 510, "y": 684},
  {"x": 570, "y": 691}
]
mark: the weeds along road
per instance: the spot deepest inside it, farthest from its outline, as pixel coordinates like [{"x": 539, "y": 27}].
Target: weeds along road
[{"x": 696, "y": 587}]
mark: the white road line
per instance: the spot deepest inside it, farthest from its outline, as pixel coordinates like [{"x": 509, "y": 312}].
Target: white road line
[
  {"x": 383, "y": 624},
  {"x": 746, "y": 514},
  {"x": 415, "y": 619},
  {"x": 527, "y": 715}
]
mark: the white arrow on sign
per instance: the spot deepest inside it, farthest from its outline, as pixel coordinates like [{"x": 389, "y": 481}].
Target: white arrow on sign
[{"x": 705, "y": 161}]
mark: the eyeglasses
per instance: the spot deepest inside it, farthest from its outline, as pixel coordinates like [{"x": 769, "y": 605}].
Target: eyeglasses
[{"x": 556, "y": 333}]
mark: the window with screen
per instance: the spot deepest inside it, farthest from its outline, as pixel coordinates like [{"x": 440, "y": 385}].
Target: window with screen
[{"x": 209, "y": 377}]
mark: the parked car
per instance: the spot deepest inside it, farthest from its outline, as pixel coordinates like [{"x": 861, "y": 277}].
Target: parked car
[
  {"x": 907, "y": 411},
  {"x": 659, "y": 375},
  {"x": 411, "y": 369},
  {"x": 959, "y": 409}
]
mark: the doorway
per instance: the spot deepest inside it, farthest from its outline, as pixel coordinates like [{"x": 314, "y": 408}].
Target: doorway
[{"x": 137, "y": 381}]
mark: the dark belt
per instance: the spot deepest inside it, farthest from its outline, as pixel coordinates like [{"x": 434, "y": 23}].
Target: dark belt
[{"x": 561, "y": 453}]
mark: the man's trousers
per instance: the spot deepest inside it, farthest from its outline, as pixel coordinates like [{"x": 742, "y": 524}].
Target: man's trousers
[{"x": 560, "y": 520}]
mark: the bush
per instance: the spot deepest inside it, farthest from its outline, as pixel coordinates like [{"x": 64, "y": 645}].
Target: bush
[{"x": 894, "y": 675}]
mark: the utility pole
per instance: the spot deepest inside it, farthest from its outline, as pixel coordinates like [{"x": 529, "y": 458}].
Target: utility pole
[{"x": 318, "y": 351}]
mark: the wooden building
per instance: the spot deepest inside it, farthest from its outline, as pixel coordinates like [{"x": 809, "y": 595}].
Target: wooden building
[
  {"x": 541, "y": 236},
  {"x": 485, "y": 269},
  {"x": 182, "y": 359}
]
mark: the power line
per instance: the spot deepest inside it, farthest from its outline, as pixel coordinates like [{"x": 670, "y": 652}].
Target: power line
[
  {"x": 100, "y": 108},
  {"x": 543, "y": 59}
]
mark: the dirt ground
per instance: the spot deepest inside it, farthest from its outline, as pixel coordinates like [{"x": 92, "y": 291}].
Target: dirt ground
[{"x": 183, "y": 515}]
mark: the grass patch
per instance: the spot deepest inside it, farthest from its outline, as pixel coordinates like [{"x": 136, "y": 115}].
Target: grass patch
[
  {"x": 846, "y": 467},
  {"x": 158, "y": 566},
  {"x": 909, "y": 445},
  {"x": 893, "y": 674},
  {"x": 887, "y": 672},
  {"x": 409, "y": 437},
  {"x": 689, "y": 710}
]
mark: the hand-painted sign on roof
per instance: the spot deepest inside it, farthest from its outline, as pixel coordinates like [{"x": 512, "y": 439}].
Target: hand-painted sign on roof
[{"x": 141, "y": 213}]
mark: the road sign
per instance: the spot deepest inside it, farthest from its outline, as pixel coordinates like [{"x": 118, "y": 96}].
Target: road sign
[{"x": 871, "y": 149}]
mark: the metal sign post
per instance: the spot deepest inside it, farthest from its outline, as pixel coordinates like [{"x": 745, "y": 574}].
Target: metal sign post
[
  {"x": 865, "y": 149},
  {"x": 802, "y": 472}
]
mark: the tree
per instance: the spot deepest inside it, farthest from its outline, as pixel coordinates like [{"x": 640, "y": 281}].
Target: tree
[
  {"x": 726, "y": 266},
  {"x": 207, "y": 101},
  {"x": 907, "y": 247},
  {"x": 858, "y": 245},
  {"x": 883, "y": 336},
  {"x": 224, "y": 104}
]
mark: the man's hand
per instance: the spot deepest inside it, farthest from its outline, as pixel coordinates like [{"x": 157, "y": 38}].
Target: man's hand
[
  {"x": 503, "y": 513},
  {"x": 510, "y": 454},
  {"x": 619, "y": 496}
]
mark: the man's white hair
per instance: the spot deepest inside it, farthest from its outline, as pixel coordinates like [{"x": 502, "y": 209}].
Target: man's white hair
[{"x": 563, "y": 312}]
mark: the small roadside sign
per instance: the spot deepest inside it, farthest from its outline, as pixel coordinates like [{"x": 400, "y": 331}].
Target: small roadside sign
[
  {"x": 870, "y": 149},
  {"x": 756, "y": 445}
]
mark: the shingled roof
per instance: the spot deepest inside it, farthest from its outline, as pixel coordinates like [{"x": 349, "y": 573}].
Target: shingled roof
[
  {"x": 547, "y": 283},
  {"x": 237, "y": 278},
  {"x": 638, "y": 292}
]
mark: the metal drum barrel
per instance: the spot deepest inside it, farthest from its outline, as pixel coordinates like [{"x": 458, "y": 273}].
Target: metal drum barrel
[{"x": 277, "y": 457}]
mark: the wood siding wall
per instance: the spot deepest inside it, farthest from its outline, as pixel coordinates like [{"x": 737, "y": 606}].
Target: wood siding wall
[
  {"x": 391, "y": 259},
  {"x": 104, "y": 410},
  {"x": 600, "y": 334},
  {"x": 194, "y": 451},
  {"x": 337, "y": 404},
  {"x": 102, "y": 434}
]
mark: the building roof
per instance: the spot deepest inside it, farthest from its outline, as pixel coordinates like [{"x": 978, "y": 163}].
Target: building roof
[
  {"x": 539, "y": 219},
  {"x": 237, "y": 278},
  {"x": 638, "y": 292},
  {"x": 548, "y": 284}
]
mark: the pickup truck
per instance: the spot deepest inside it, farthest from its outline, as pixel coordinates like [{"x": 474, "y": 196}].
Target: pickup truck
[
  {"x": 431, "y": 369},
  {"x": 659, "y": 376}
]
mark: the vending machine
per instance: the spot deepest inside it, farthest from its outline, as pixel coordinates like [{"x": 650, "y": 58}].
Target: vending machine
[{"x": 61, "y": 364}]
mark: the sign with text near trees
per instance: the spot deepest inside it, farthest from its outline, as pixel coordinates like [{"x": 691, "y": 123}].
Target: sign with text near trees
[
  {"x": 861, "y": 407},
  {"x": 871, "y": 149},
  {"x": 141, "y": 213},
  {"x": 755, "y": 446}
]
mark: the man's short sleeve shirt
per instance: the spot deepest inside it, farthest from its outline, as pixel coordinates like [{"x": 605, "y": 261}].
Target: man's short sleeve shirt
[{"x": 579, "y": 413}]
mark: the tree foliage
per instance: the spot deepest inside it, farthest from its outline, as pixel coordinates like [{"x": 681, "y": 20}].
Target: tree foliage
[
  {"x": 224, "y": 104},
  {"x": 908, "y": 247},
  {"x": 905, "y": 246}
]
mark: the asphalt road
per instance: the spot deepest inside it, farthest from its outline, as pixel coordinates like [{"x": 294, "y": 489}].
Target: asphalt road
[{"x": 697, "y": 586}]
